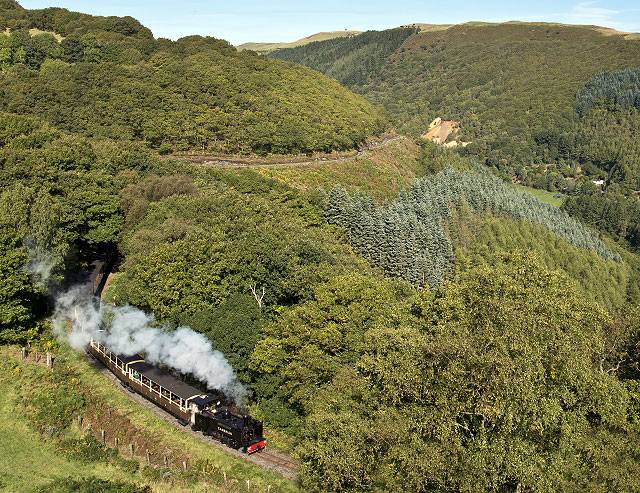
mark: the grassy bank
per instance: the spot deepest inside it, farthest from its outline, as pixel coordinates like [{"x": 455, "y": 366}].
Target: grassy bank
[
  {"x": 35, "y": 425},
  {"x": 27, "y": 460},
  {"x": 383, "y": 172}
]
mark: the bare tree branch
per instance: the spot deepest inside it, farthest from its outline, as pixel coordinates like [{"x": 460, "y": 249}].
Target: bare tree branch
[{"x": 255, "y": 295}]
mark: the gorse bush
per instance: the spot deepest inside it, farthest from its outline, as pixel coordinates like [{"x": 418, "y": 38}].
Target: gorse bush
[
  {"x": 88, "y": 449},
  {"x": 53, "y": 406}
]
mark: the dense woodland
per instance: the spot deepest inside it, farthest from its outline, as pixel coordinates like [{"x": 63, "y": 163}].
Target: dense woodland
[
  {"x": 511, "y": 86},
  {"x": 109, "y": 78},
  {"x": 460, "y": 336}
]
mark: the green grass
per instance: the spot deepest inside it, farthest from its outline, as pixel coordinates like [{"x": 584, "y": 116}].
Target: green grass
[
  {"x": 27, "y": 460},
  {"x": 542, "y": 195}
]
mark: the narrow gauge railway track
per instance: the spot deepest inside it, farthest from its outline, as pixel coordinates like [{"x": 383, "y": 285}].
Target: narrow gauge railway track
[
  {"x": 244, "y": 163},
  {"x": 279, "y": 460},
  {"x": 267, "y": 459}
]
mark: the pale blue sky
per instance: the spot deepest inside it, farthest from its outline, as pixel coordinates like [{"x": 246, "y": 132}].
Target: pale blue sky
[{"x": 241, "y": 21}]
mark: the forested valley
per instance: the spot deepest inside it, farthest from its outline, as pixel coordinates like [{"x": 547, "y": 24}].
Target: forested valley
[
  {"x": 548, "y": 106},
  {"x": 424, "y": 325}
]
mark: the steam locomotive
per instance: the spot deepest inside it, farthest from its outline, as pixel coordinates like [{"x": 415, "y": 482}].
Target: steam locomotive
[{"x": 185, "y": 402}]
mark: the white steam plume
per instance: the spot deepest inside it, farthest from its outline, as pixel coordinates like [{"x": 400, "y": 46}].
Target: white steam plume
[
  {"x": 131, "y": 331},
  {"x": 40, "y": 264}
]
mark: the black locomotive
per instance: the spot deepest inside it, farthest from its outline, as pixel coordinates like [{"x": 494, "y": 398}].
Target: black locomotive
[{"x": 187, "y": 403}]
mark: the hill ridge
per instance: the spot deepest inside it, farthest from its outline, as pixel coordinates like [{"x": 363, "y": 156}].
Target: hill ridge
[
  {"x": 320, "y": 36},
  {"x": 268, "y": 46}
]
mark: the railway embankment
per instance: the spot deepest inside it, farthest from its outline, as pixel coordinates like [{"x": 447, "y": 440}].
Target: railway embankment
[
  {"x": 269, "y": 459},
  {"x": 75, "y": 403}
]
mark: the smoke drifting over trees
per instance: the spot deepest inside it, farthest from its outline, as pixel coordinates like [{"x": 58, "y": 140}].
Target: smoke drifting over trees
[{"x": 127, "y": 330}]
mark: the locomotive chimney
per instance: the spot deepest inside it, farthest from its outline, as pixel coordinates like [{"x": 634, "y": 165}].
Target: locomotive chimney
[{"x": 245, "y": 419}]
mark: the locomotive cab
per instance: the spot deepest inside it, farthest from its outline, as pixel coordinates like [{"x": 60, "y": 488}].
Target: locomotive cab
[{"x": 199, "y": 405}]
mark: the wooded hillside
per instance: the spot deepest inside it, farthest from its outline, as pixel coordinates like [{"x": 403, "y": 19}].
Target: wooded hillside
[
  {"x": 109, "y": 78},
  {"x": 508, "y": 85},
  {"x": 424, "y": 326}
]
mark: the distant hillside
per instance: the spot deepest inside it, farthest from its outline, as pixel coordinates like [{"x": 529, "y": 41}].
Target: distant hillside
[
  {"x": 324, "y": 36},
  {"x": 268, "y": 47},
  {"x": 107, "y": 77},
  {"x": 352, "y": 61},
  {"x": 506, "y": 84}
]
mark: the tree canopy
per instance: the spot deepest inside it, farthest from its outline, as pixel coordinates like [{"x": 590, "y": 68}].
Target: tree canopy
[
  {"x": 495, "y": 382},
  {"x": 109, "y": 78}
]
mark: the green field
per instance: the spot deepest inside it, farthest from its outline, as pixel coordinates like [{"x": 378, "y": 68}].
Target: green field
[
  {"x": 542, "y": 195},
  {"x": 27, "y": 460}
]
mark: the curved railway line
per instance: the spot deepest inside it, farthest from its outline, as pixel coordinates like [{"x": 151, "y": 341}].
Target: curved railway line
[
  {"x": 246, "y": 163},
  {"x": 267, "y": 459}
]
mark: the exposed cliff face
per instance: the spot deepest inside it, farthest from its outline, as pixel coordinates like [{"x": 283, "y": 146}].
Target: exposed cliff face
[{"x": 439, "y": 130}]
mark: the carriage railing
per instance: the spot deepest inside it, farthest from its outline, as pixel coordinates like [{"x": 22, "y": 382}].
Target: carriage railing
[{"x": 144, "y": 381}]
